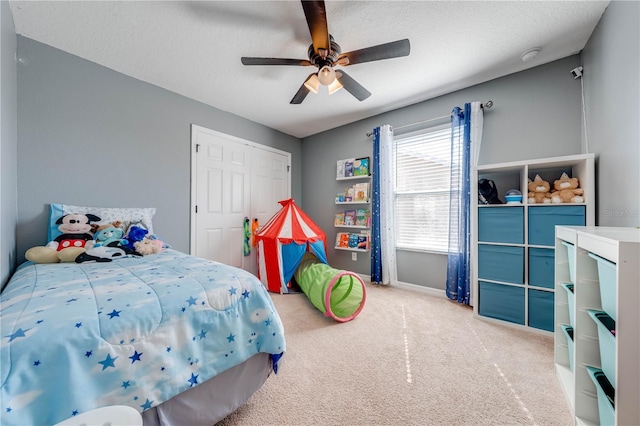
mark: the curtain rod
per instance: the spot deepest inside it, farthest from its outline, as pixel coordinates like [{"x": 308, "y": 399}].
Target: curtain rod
[{"x": 486, "y": 105}]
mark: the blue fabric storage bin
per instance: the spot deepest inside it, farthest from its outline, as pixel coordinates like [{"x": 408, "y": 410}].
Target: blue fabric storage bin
[
  {"x": 541, "y": 267},
  {"x": 570, "y": 301},
  {"x": 543, "y": 221},
  {"x": 607, "y": 343},
  {"x": 503, "y": 302},
  {"x": 606, "y": 396},
  {"x": 501, "y": 263},
  {"x": 501, "y": 224},
  {"x": 608, "y": 291},
  {"x": 568, "y": 331},
  {"x": 541, "y": 309}
]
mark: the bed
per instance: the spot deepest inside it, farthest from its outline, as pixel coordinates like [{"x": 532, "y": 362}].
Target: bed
[{"x": 181, "y": 339}]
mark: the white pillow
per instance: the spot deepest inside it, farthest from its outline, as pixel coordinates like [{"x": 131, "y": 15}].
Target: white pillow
[{"x": 127, "y": 216}]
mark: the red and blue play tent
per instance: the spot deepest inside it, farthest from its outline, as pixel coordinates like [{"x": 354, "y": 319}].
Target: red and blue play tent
[{"x": 283, "y": 241}]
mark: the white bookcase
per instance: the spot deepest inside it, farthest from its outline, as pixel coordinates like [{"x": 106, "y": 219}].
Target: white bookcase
[
  {"x": 575, "y": 250},
  {"x": 513, "y": 244}
]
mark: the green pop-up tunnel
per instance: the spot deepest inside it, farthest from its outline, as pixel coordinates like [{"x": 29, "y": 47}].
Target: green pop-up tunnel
[{"x": 338, "y": 294}]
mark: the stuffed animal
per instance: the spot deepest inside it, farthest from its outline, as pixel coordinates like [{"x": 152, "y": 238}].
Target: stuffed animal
[
  {"x": 134, "y": 235},
  {"x": 110, "y": 235},
  {"x": 148, "y": 246},
  {"x": 76, "y": 238},
  {"x": 566, "y": 190},
  {"x": 538, "y": 191}
]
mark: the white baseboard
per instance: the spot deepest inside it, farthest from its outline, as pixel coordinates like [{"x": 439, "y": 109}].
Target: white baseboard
[{"x": 412, "y": 287}]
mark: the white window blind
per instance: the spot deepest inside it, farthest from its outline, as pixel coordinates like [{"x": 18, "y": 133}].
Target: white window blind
[{"x": 422, "y": 176}]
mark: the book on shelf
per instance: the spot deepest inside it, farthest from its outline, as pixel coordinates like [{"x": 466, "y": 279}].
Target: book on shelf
[
  {"x": 361, "y": 191},
  {"x": 353, "y": 240},
  {"x": 339, "y": 219},
  {"x": 340, "y": 168},
  {"x": 363, "y": 241},
  {"x": 348, "y": 167},
  {"x": 361, "y": 166},
  {"x": 350, "y": 217},
  {"x": 342, "y": 239},
  {"x": 363, "y": 217}
]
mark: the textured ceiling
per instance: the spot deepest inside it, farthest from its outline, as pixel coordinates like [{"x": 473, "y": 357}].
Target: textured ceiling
[{"x": 194, "y": 48}]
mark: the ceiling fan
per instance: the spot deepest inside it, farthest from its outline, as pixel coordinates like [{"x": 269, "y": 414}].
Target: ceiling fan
[{"x": 324, "y": 53}]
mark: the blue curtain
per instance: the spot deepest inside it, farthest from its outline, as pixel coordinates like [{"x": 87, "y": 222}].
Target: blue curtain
[
  {"x": 376, "y": 247},
  {"x": 459, "y": 253}
]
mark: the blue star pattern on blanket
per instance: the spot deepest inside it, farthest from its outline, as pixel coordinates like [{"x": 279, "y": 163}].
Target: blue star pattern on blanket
[{"x": 135, "y": 331}]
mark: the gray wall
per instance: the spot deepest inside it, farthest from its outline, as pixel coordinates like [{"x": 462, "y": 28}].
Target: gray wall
[
  {"x": 9, "y": 144},
  {"x": 612, "y": 97},
  {"x": 536, "y": 114},
  {"x": 92, "y": 136}
]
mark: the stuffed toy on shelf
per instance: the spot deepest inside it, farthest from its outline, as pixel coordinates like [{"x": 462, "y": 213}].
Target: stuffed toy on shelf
[
  {"x": 566, "y": 190},
  {"x": 538, "y": 191}
]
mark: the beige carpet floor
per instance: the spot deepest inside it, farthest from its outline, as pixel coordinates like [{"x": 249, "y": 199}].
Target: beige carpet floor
[{"x": 409, "y": 358}]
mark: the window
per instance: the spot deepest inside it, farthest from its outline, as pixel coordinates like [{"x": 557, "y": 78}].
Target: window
[{"x": 422, "y": 176}]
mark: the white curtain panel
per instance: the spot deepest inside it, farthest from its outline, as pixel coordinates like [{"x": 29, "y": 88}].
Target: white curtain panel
[
  {"x": 387, "y": 221},
  {"x": 477, "y": 120}
]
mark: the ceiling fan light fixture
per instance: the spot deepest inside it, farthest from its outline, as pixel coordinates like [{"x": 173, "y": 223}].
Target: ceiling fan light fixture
[
  {"x": 326, "y": 75},
  {"x": 312, "y": 83},
  {"x": 335, "y": 86}
]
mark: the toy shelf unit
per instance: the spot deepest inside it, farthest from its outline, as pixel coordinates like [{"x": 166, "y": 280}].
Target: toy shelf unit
[
  {"x": 514, "y": 242},
  {"x": 597, "y": 296},
  {"x": 354, "y": 200}
]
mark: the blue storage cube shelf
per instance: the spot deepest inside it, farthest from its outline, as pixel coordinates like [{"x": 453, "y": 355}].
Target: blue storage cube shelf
[
  {"x": 501, "y": 224},
  {"x": 541, "y": 267},
  {"x": 607, "y": 278},
  {"x": 543, "y": 221},
  {"x": 570, "y": 301},
  {"x": 571, "y": 250},
  {"x": 503, "y": 302},
  {"x": 607, "y": 343},
  {"x": 606, "y": 396},
  {"x": 568, "y": 331},
  {"x": 501, "y": 263},
  {"x": 541, "y": 309}
]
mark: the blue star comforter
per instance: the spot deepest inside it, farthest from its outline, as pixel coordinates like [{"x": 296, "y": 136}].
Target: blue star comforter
[{"x": 136, "y": 331}]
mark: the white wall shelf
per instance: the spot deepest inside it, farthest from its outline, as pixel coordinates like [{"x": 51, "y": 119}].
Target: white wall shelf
[{"x": 620, "y": 246}]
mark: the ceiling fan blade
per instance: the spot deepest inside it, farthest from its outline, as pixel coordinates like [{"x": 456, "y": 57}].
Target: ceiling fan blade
[
  {"x": 316, "y": 16},
  {"x": 302, "y": 93},
  {"x": 394, "y": 49},
  {"x": 274, "y": 61},
  {"x": 352, "y": 86}
]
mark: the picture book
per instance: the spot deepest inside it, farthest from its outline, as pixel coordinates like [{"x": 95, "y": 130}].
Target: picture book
[
  {"x": 361, "y": 167},
  {"x": 348, "y": 167},
  {"x": 361, "y": 191},
  {"x": 350, "y": 217},
  {"x": 339, "y": 219},
  {"x": 340, "y": 168},
  {"x": 363, "y": 241},
  {"x": 362, "y": 217},
  {"x": 342, "y": 239}
]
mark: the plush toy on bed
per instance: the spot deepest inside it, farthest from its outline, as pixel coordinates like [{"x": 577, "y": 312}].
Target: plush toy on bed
[
  {"x": 148, "y": 246},
  {"x": 538, "y": 191},
  {"x": 134, "y": 235},
  {"x": 566, "y": 190},
  {"x": 110, "y": 234},
  {"x": 76, "y": 239}
]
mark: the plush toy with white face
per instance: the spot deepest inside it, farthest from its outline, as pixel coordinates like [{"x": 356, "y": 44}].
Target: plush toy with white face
[{"x": 75, "y": 239}]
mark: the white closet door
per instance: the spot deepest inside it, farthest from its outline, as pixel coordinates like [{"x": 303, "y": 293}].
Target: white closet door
[{"x": 233, "y": 179}]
